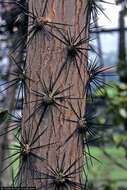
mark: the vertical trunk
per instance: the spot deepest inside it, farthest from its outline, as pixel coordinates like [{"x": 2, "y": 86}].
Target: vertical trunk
[
  {"x": 122, "y": 49},
  {"x": 45, "y": 58}
]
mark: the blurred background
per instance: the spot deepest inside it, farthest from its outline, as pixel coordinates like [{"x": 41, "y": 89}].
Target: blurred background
[
  {"x": 111, "y": 107},
  {"x": 109, "y": 172}
]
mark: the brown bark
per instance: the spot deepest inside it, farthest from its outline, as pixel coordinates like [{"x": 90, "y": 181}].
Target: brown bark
[{"x": 45, "y": 58}]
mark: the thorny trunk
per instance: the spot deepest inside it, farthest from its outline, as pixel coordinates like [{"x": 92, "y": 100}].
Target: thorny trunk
[{"x": 44, "y": 60}]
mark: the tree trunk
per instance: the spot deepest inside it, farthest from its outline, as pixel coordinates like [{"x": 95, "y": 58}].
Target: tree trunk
[
  {"x": 122, "y": 49},
  {"x": 46, "y": 55}
]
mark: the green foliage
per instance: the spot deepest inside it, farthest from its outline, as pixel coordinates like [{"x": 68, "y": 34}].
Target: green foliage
[
  {"x": 106, "y": 175},
  {"x": 115, "y": 111},
  {"x": 116, "y": 103}
]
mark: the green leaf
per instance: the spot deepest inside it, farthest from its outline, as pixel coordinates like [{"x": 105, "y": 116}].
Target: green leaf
[
  {"x": 112, "y": 92},
  {"x": 117, "y": 138},
  {"x": 123, "y": 113}
]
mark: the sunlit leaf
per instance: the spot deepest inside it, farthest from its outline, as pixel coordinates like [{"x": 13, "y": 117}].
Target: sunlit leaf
[{"x": 123, "y": 112}]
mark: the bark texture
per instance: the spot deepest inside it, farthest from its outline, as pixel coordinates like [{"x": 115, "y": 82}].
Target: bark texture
[{"x": 45, "y": 57}]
